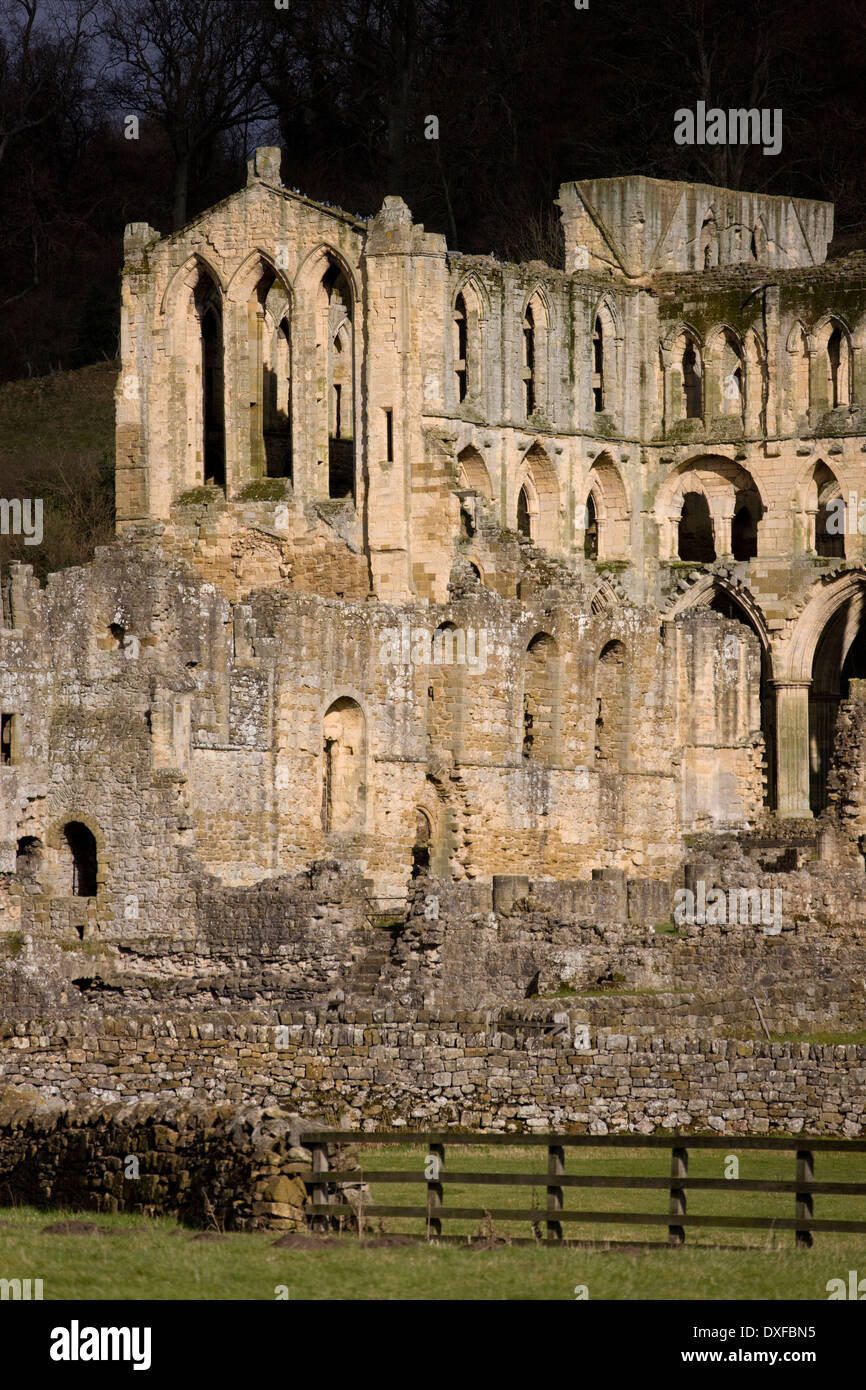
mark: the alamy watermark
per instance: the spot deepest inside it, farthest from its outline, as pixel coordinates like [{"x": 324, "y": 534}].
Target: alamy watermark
[
  {"x": 756, "y": 907},
  {"x": 737, "y": 126},
  {"x": 22, "y": 517},
  {"x": 450, "y": 646},
  {"x": 843, "y": 518}
]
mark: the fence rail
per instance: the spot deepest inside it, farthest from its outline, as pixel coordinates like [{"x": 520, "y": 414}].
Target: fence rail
[{"x": 326, "y": 1205}]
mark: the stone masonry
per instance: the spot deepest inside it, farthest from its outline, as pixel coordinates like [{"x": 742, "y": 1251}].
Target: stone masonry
[{"x": 460, "y": 613}]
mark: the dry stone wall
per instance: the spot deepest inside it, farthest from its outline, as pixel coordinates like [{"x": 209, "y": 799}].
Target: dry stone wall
[
  {"x": 216, "y": 1166},
  {"x": 516, "y": 1070}
]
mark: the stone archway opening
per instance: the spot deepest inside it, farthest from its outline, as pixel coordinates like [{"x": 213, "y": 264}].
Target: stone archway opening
[
  {"x": 723, "y": 602},
  {"x": 840, "y": 657}
]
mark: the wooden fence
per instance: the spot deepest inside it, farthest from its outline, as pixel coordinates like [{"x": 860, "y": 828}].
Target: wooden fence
[{"x": 437, "y": 1178}]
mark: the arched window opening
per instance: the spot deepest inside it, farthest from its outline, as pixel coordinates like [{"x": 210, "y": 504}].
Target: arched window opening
[
  {"x": 209, "y": 312},
  {"x": 830, "y": 513},
  {"x": 277, "y": 424},
  {"x": 598, "y": 366},
  {"x": 80, "y": 855},
  {"x": 529, "y": 360},
  {"x": 695, "y": 538},
  {"x": 258, "y": 354},
  {"x": 421, "y": 847},
  {"x": 524, "y": 515},
  {"x": 723, "y": 602},
  {"x": 344, "y": 754},
  {"x": 539, "y": 700},
  {"x": 460, "y": 347},
  {"x": 838, "y": 366},
  {"x": 731, "y": 372},
  {"x": 590, "y": 535},
  {"x": 340, "y": 383},
  {"x": 611, "y": 733},
  {"x": 840, "y": 657},
  {"x": 798, "y": 348},
  {"x": 692, "y": 393}
]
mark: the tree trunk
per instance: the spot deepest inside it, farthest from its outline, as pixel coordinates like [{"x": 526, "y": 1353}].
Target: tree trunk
[{"x": 181, "y": 191}]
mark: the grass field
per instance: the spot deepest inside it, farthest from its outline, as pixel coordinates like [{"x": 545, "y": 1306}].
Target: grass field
[{"x": 155, "y": 1259}]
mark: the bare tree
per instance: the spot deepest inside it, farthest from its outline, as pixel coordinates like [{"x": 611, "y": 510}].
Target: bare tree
[
  {"x": 44, "y": 50},
  {"x": 194, "y": 67}
]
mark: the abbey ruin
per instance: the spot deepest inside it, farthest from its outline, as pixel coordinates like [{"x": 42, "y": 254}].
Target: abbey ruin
[{"x": 459, "y": 614}]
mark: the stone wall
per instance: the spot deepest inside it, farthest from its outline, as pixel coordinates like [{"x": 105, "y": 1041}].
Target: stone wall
[
  {"x": 216, "y": 1166},
  {"x": 518, "y": 1069}
]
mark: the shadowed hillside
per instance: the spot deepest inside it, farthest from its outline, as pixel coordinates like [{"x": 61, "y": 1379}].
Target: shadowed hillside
[{"x": 57, "y": 444}]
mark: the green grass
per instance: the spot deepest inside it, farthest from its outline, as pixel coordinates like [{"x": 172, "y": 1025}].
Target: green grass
[
  {"x": 856, "y": 1038},
  {"x": 155, "y": 1259},
  {"x": 57, "y": 445},
  {"x": 264, "y": 490}
]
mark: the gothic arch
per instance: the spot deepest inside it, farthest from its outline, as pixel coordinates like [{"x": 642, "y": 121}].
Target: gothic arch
[
  {"x": 607, "y": 490},
  {"x": 537, "y": 476},
  {"x": 468, "y": 312},
  {"x": 537, "y": 325},
  {"x": 724, "y": 372},
  {"x": 825, "y": 525},
  {"x": 606, "y": 357},
  {"x": 246, "y": 276},
  {"x": 473, "y": 473},
  {"x": 683, "y": 357},
  {"x": 828, "y": 597},
  {"x": 832, "y": 374},
  {"x": 185, "y": 276},
  {"x": 326, "y": 421}
]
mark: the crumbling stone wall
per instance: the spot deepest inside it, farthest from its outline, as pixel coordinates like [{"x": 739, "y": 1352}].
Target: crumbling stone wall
[{"x": 219, "y": 1166}]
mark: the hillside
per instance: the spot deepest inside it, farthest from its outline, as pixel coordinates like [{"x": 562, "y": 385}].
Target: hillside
[{"x": 57, "y": 444}]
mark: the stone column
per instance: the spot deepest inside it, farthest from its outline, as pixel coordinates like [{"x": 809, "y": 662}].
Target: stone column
[
  {"x": 792, "y": 747},
  {"x": 722, "y": 513}
]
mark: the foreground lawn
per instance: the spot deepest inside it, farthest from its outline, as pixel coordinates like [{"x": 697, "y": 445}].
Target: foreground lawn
[{"x": 156, "y": 1259}]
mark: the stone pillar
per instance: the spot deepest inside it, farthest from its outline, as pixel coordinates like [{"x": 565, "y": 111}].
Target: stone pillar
[
  {"x": 858, "y": 376},
  {"x": 792, "y": 748},
  {"x": 818, "y": 398},
  {"x": 406, "y": 285},
  {"x": 722, "y": 513}
]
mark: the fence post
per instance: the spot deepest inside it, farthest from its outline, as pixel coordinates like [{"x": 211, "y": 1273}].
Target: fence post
[
  {"x": 434, "y": 1192},
  {"x": 555, "y": 1169},
  {"x": 679, "y": 1169},
  {"x": 803, "y": 1209},
  {"x": 319, "y": 1185}
]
